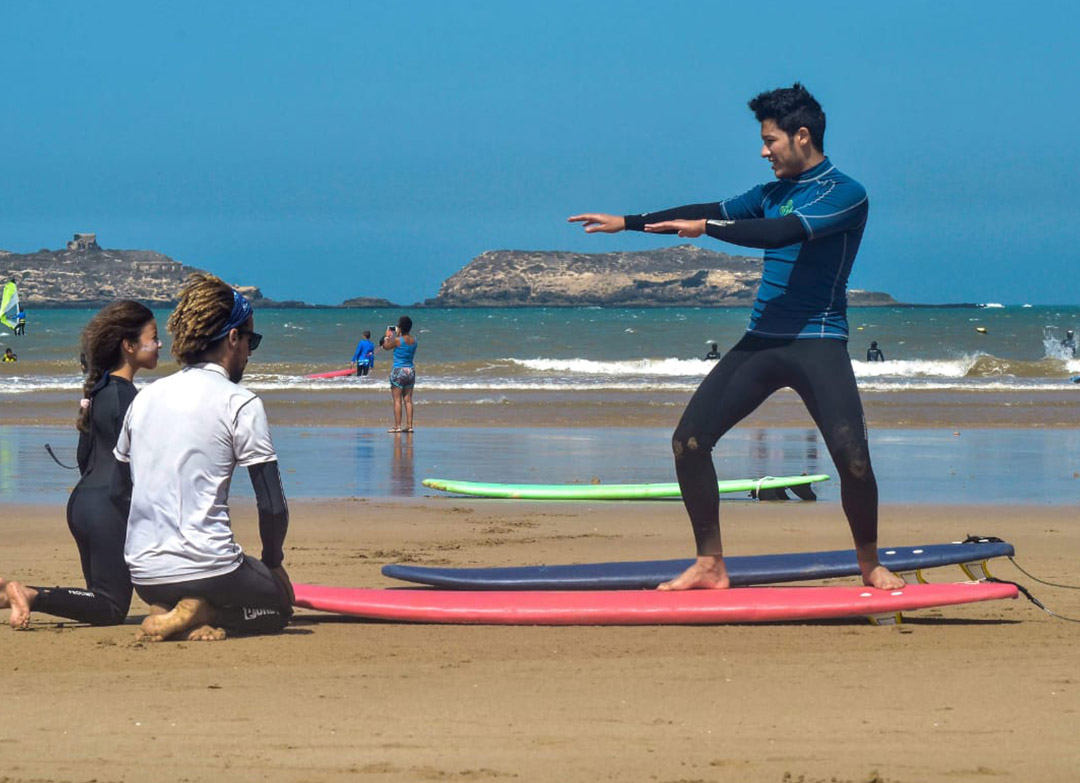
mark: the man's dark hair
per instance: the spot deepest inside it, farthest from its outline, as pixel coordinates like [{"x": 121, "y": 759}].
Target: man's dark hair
[{"x": 792, "y": 108}]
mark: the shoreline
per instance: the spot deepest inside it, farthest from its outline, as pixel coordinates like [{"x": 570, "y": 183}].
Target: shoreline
[{"x": 921, "y": 409}]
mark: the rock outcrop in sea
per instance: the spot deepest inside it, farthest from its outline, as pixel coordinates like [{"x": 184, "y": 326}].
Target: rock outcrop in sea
[
  {"x": 86, "y": 275},
  {"x": 686, "y": 276}
]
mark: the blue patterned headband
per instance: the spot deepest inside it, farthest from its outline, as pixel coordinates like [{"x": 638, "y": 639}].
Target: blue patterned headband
[{"x": 241, "y": 311}]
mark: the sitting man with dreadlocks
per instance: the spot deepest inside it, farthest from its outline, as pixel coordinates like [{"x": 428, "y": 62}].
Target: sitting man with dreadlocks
[{"x": 181, "y": 441}]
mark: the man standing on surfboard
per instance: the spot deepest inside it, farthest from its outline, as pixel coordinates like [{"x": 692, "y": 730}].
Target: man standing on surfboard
[{"x": 810, "y": 222}]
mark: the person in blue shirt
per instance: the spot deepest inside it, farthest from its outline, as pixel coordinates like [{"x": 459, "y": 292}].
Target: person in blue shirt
[
  {"x": 399, "y": 339},
  {"x": 364, "y": 357},
  {"x": 20, "y": 323},
  {"x": 809, "y": 221}
]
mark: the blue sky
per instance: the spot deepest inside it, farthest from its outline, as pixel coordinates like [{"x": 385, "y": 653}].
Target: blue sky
[{"x": 336, "y": 149}]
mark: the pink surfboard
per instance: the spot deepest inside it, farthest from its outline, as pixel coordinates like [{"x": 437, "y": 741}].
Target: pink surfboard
[
  {"x": 640, "y": 607},
  {"x": 333, "y": 373}
]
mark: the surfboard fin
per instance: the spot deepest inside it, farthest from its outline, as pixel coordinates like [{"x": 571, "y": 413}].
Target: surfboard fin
[
  {"x": 803, "y": 492},
  {"x": 971, "y": 568},
  {"x": 770, "y": 494},
  {"x": 893, "y": 618}
]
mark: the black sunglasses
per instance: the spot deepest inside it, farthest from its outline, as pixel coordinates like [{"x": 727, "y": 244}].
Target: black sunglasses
[{"x": 255, "y": 338}]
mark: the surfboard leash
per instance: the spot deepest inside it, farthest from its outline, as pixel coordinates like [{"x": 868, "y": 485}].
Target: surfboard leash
[
  {"x": 1040, "y": 581},
  {"x": 1033, "y": 599},
  {"x": 1012, "y": 559},
  {"x": 48, "y": 448}
]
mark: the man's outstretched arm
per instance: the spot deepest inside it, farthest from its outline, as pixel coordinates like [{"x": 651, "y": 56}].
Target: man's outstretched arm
[
  {"x": 755, "y": 232},
  {"x": 599, "y": 222}
]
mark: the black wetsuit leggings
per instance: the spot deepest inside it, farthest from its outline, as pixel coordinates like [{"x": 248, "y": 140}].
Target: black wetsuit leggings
[
  {"x": 819, "y": 370},
  {"x": 249, "y": 600},
  {"x": 99, "y": 532}
]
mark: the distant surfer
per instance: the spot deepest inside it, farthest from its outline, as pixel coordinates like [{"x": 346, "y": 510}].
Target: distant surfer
[
  {"x": 20, "y": 323},
  {"x": 713, "y": 353},
  {"x": 118, "y": 341},
  {"x": 184, "y": 559},
  {"x": 811, "y": 219},
  {"x": 9, "y": 355},
  {"x": 364, "y": 356},
  {"x": 1068, "y": 343},
  {"x": 403, "y": 374},
  {"x": 873, "y": 353}
]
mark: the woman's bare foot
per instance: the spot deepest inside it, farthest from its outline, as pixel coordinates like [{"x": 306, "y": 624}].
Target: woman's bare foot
[
  {"x": 205, "y": 633},
  {"x": 188, "y": 613},
  {"x": 883, "y": 579},
  {"x": 708, "y": 573},
  {"x": 19, "y": 599}
]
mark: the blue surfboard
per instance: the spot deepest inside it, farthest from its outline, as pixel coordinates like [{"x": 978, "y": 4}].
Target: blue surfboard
[{"x": 747, "y": 570}]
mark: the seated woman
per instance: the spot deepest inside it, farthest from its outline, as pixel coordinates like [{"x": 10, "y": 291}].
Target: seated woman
[{"x": 118, "y": 342}]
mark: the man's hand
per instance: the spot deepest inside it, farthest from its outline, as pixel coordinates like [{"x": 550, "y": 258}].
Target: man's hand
[
  {"x": 684, "y": 228},
  {"x": 597, "y": 222},
  {"x": 281, "y": 576}
]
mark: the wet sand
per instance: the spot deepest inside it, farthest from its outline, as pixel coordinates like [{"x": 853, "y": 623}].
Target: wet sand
[{"x": 969, "y": 693}]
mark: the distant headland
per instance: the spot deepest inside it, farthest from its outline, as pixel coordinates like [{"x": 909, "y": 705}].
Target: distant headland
[{"x": 83, "y": 274}]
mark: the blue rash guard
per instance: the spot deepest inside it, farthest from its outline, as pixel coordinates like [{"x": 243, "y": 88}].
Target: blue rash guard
[
  {"x": 803, "y": 290},
  {"x": 365, "y": 352},
  {"x": 811, "y": 227}
]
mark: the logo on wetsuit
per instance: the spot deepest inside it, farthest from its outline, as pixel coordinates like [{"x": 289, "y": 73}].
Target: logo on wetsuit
[
  {"x": 251, "y": 614},
  {"x": 788, "y": 208}
]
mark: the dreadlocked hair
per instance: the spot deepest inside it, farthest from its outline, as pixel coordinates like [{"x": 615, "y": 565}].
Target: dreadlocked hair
[
  {"x": 102, "y": 344},
  {"x": 205, "y": 304}
]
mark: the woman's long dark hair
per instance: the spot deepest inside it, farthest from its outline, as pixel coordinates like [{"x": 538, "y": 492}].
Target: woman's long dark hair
[{"x": 102, "y": 344}]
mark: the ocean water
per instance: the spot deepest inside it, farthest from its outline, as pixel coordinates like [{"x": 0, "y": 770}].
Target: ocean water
[{"x": 554, "y": 349}]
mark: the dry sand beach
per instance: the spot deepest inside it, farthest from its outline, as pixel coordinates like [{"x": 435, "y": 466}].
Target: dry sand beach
[{"x": 968, "y": 693}]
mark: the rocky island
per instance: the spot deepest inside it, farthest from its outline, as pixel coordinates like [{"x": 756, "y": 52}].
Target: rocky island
[
  {"x": 684, "y": 276},
  {"x": 85, "y": 275}
]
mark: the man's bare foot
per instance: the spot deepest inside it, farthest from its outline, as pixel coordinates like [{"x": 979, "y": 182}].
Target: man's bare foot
[
  {"x": 205, "y": 633},
  {"x": 708, "y": 573},
  {"x": 19, "y": 602},
  {"x": 188, "y": 613},
  {"x": 883, "y": 579}
]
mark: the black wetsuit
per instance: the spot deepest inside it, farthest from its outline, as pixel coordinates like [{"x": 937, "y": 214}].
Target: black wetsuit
[
  {"x": 810, "y": 228},
  {"x": 98, "y": 526}
]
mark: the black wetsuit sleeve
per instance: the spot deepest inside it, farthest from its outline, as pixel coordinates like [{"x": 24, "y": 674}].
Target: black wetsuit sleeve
[
  {"x": 120, "y": 488},
  {"x": 758, "y": 232},
  {"x": 273, "y": 511},
  {"x": 82, "y": 453},
  {"x": 710, "y": 211}
]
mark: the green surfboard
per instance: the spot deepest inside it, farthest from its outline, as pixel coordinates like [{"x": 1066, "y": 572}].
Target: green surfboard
[{"x": 608, "y": 491}]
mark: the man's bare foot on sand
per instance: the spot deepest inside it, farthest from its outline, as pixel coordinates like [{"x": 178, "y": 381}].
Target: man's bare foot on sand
[
  {"x": 205, "y": 633},
  {"x": 883, "y": 579},
  {"x": 187, "y": 614},
  {"x": 19, "y": 599},
  {"x": 707, "y": 573}
]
